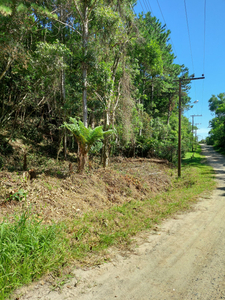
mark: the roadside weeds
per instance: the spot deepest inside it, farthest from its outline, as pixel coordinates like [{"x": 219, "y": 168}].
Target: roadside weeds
[{"x": 30, "y": 248}]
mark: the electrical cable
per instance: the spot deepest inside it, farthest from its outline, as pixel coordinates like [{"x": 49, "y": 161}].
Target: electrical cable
[
  {"x": 147, "y": 7},
  {"x": 204, "y": 42},
  {"x": 190, "y": 43},
  {"x": 204, "y": 36},
  {"x": 189, "y": 35},
  {"x": 150, "y": 6},
  {"x": 142, "y": 6},
  {"x": 167, "y": 29}
]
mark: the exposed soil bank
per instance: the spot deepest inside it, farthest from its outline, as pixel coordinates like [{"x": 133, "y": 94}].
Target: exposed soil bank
[{"x": 55, "y": 195}]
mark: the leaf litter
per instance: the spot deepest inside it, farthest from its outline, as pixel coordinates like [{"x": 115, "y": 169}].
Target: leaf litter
[{"x": 56, "y": 195}]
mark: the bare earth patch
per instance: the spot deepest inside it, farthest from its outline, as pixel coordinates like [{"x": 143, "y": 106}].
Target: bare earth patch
[{"x": 55, "y": 195}]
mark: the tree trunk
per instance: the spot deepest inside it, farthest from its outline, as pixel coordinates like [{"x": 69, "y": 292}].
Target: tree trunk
[
  {"x": 106, "y": 147},
  {"x": 65, "y": 145},
  {"x": 59, "y": 146},
  {"x": 152, "y": 96},
  {"x": 141, "y": 101},
  {"x": 63, "y": 99},
  {"x": 141, "y": 114},
  {"x": 82, "y": 159},
  {"x": 169, "y": 110},
  {"x": 84, "y": 65},
  {"x": 63, "y": 89},
  {"x": 106, "y": 152},
  {"x": 92, "y": 119},
  {"x": 9, "y": 62}
]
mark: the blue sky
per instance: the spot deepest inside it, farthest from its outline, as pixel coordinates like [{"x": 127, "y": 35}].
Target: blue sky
[{"x": 214, "y": 67}]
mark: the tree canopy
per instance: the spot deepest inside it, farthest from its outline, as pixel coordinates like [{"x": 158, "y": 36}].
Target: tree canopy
[
  {"x": 217, "y": 124},
  {"x": 93, "y": 60}
]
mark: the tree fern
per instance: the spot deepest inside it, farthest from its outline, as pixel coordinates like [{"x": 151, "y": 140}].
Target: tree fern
[{"x": 85, "y": 137}]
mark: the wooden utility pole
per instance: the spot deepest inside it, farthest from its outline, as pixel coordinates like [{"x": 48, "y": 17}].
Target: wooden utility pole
[
  {"x": 196, "y": 128},
  {"x": 193, "y": 130},
  {"x": 179, "y": 131}
]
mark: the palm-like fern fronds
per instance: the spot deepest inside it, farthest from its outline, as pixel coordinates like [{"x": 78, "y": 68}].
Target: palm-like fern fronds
[{"x": 86, "y": 137}]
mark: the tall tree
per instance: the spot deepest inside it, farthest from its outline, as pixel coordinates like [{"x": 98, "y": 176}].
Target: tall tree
[
  {"x": 217, "y": 124},
  {"x": 84, "y": 9}
]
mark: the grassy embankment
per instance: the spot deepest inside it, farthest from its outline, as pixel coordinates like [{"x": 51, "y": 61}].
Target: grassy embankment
[{"x": 30, "y": 249}]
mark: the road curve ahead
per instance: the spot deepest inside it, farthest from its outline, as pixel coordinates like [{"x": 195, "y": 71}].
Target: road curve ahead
[{"x": 184, "y": 260}]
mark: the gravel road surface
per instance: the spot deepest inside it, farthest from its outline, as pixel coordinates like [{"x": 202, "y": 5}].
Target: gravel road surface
[{"x": 185, "y": 259}]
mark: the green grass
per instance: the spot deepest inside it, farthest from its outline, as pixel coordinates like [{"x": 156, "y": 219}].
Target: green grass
[
  {"x": 193, "y": 158},
  {"x": 30, "y": 249}
]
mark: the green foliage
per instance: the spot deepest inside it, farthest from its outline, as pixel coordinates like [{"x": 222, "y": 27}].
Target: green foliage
[
  {"x": 95, "y": 149},
  {"x": 129, "y": 66},
  {"x": 193, "y": 159},
  {"x": 17, "y": 196},
  {"x": 217, "y": 132},
  {"x": 162, "y": 139},
  {"x": 28, "y": 249},
  {"x": 86, "y": 137},
  {"x": 49, "y": 57},
  {"x": 5, "y": 10}
]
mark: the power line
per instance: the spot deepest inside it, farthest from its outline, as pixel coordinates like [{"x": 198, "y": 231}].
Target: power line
[
  {"x": 150, "y": 6},
  {"x": 189, "y": 35},
  {"x": 204, "y": 41},
  {"x": 167, "y": 29},
  {"x": 147, "y": 8},
  {"x": 142, "y": 6},
  {"x": 193, "y": 130},
  {"x": 190, "y": 42},
  {"x": 204, "y": 37}
]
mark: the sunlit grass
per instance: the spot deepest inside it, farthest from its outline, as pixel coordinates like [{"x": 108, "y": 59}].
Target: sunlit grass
[
  {"x": 28, "y": 249},
  {"x": 193, "y": 158}
]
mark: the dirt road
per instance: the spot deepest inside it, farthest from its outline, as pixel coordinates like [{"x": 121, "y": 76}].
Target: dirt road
[{"x": 185, "y": 259}]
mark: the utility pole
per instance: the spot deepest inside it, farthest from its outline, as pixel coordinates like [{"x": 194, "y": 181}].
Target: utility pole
[
  {"x": 179, "y": 131},
  {"x": 196, "y": 128},
  {"x": 193, "y": 130}
]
